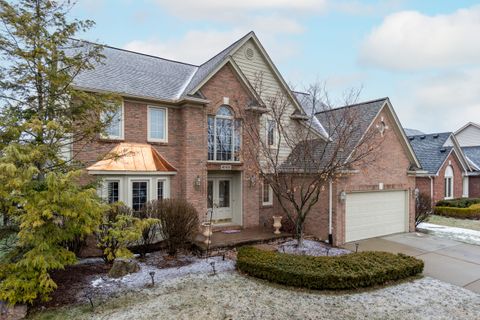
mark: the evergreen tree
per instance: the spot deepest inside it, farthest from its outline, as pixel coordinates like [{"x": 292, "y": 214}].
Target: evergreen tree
[{"x": 41, "y": 116}]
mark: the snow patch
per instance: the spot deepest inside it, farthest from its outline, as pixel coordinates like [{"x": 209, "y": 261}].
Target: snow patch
[
  {"x": 310, "y": 248},
  {"x": 454, "y": 233}
]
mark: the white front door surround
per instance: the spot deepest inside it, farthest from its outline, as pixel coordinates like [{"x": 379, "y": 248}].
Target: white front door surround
[{"x": 224, "y": 197}]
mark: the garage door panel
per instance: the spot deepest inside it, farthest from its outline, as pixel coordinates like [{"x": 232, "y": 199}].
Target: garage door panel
[{"x": 373, "y": 214}]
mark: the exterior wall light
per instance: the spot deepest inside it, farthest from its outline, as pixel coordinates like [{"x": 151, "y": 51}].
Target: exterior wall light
[
  {"x": 198, "y": 181},
  {"x": 252, "y": 180},
  {"x": 343, "y": 196}
]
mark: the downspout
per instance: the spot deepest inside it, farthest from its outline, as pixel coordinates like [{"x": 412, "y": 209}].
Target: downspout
[
  {"x": 431, "y": 189},
  {"x": 330, "y": 211}
]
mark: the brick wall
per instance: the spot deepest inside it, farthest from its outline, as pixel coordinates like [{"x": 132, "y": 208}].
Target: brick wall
[
  {"x": 389, "y": 166},
  {"x": 225, "y": 84},
  {"x": 439, "y": 181},
  {"x": 474, "y": 187}
]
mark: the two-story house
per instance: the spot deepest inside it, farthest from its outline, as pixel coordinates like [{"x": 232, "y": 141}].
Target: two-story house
[{"x": 180, "y": 132}]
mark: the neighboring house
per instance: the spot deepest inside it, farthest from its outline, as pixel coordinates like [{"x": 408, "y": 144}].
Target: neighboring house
[
  {"x": 445, "y": 168},
  {"x": 178, "y": 133},
  {"x": 468, "y": 138},
  {"x": 412, "y": 132}
]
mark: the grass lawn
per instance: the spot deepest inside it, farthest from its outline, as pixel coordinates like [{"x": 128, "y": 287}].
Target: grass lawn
[
  {"x": 454, "y": 222},
  {"x": 230, "y": 295}
]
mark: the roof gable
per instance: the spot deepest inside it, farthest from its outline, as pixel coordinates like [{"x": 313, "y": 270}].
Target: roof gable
[{"x": 431, "y": 150}]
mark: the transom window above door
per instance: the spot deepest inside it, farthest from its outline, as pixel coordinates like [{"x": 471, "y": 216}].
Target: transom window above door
[
  {"x": 224, "y": 136},
  {"x": 157, "y": 124}
]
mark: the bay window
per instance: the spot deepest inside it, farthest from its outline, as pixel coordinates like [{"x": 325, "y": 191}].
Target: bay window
[{"x": 224, "y": 136}]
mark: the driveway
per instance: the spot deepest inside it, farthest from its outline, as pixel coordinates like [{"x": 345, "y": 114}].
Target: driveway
[{"x": 447, "y": 260}]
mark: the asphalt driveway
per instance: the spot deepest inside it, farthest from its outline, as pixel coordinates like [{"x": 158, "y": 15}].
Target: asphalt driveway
[{"x": 447, "y": 260}]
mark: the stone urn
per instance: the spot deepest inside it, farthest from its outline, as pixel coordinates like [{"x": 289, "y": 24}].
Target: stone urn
[
  {"x": 277, "y": 224},
  {"x": 207, "y": 231}
]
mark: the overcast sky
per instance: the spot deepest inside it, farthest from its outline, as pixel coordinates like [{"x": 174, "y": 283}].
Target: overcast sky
[{"x": 424, "y": 55}]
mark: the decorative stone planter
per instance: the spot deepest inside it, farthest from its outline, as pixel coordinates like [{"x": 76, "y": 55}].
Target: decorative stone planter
[
  {"x": 207, "y": 231},
  {"x": 277, "y": 224}
]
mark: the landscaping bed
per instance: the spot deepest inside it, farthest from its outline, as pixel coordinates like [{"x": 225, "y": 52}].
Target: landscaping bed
[
  {"x": 229, "y": 295},
  {"x": 351, "y": 271},
  {"x": 459, "y": 208}
]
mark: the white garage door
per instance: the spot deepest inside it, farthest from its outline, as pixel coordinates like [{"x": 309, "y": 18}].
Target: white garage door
[{"x": 373, "y": 214}]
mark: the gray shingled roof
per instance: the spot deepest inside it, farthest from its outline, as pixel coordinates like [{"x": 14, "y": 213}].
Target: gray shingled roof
[
  {"x": 326, "y": 152},
  {"x": 412, "y": 132},
  {"x": 206, "y": 68},
  {"x": 473, "y": 155},
  {"x": 137, "y": 74},
  {"x": 430, "y": 150},
  {"x": 307, "y": 103}
]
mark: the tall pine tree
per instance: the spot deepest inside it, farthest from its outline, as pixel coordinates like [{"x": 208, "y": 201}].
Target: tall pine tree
[{"x": 41, "y": 115}]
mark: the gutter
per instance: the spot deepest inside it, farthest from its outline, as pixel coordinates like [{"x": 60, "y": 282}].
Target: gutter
[{"x": 126, "y": 95}]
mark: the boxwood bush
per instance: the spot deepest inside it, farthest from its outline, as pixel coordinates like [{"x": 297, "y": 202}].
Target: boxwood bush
[
  {"x": 472, "y": 212},
  {"x": 458, "y": 203},
  {"x": 355, "y": 270}
]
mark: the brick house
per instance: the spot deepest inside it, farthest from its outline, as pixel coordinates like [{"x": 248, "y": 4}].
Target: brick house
[
  {"x": 468, "y": 138},
  {"x": 179, "y": 134},
  {"x": 446, "y": 170}
]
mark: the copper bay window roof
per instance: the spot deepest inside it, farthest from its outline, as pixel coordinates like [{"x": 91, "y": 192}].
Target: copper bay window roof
[{"x": 133, "y": 157}]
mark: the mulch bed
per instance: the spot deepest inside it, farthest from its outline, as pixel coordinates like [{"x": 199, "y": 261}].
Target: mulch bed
[{"x": 71, "y": 281}]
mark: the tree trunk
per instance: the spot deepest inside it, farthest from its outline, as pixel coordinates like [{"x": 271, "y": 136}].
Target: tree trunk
[{"x": 299, "y": 233}]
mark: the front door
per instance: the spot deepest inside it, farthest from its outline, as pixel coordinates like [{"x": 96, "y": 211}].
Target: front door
[{"x": 219, "y": 197}]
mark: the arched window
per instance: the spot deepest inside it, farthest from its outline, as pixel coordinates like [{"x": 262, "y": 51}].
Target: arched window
[
  {"x": 224, "y": 136},
  {"x": 449, "y": 183}
]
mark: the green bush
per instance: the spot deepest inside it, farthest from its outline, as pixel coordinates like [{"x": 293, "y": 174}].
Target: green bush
[
  {"x": 355, "y": 270},
  {"x": 472, "y": 212},
  {"x": 458, "y": 203}
]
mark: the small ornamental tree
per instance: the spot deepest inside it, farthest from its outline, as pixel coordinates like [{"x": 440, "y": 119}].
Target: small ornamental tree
[
  {"x": 118, "y": 230},
  {"x": 297, "y": 157},
  {"x": 41, "y": 116},
  {"x": 423, "y": 208}
]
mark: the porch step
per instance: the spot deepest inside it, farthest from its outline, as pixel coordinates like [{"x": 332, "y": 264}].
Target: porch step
[
  {"x": 220, "y": 240},
  {"x": 221, "y": 228}
]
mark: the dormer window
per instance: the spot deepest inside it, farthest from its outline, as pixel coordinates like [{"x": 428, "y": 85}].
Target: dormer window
[{"x": 224, "y": 136}]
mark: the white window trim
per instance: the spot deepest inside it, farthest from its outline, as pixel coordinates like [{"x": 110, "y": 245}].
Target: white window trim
[
  {"x": 165, "y": 127},
  {"x": 130, "y": 189},
  {"x": 104, "y": 189},
  {"x": 233, "y": 119},
  {"x": 274, "y": 144},
  {"x": 166, "y": 187},
  {"x": 465, "y": 187},
  {"x": 270, "y": 195},
  {"x": 122, "y": 127}
]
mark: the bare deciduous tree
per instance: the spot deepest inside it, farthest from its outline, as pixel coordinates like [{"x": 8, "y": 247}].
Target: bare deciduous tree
[{"x": 297, "y": 153}]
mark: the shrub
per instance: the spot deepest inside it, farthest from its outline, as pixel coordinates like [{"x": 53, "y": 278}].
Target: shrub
[
  {"x": 150, "y": 227},
  {"x": 472, "y": 212},
  {"x": 119, "y": 229},
  {"x": 458, "y": 203},
  {"x": 178, "y": 222},
  {"x": 355, "y": 270},
  {"x": 423, "y": 208}
]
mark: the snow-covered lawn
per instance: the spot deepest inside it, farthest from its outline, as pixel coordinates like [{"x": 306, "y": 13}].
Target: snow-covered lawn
[
  {"x": 310, "y": 248},
  {"x": 454, "y": 233},
  {"x": 229, "y": 295}
]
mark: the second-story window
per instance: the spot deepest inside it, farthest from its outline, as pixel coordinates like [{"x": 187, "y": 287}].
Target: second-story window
[
  {"x": 157, "y": 124},
  {"x": 224, "y": 136},
  {"x": 271, "y": 126},
  {"x": 115, "y": 125}
]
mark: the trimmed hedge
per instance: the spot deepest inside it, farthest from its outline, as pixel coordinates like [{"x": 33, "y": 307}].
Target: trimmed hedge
[
  {"x": 472, "y": 212},
  {"x": 351, "y": 271},
  {"x": 458, "y": 203}
]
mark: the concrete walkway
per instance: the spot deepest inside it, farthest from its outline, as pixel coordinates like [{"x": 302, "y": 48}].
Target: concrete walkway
[{"x": 447, "y": 260}]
